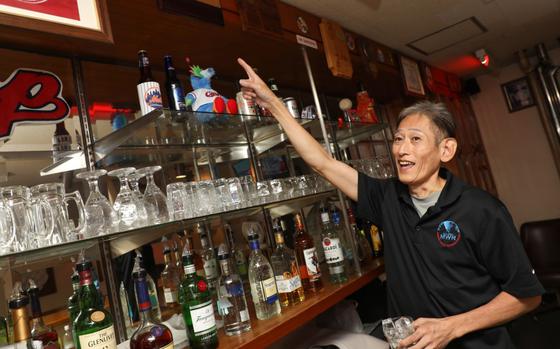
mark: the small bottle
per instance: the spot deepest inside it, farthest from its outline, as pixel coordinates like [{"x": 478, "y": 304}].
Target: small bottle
[
  {"x": 365, "y": 252},
  {"x": 149, "y": 93},
  {"x": 39, "y": 331},
  {"x": 306, "y": 255},
  {"x": 262, "y": 281},
  {"x": 74, "y": 299},
  {"x": 150, "y": 334},
  {"x": 196, "y": 301},
  {"x": 332, "y": 247},
  {"x": 210, "y": 264},
  {"x": 126, "y": 311},
  {"x": 152, "y": 289},
  {"x": 18, "y": 310},
  {"x": 174, "y": 89},
  {"x": 232, "y": 305},
  {"x": 236, "y": 252},
  {"x": 93, "y": 328},
  {"x": 67, "y": 340},
  {"x": 286, "y": 270}
]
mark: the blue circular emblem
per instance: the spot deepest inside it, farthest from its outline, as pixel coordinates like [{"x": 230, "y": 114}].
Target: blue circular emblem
[{"x": 448, "y": 233}]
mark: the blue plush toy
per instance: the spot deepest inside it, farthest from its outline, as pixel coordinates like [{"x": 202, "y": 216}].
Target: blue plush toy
[{"x": 205, "y": 99}]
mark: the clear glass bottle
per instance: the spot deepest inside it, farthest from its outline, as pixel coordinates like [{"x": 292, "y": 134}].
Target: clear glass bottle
[
  {"x": 169, "y": 280},
  {"x": 74, "y": 300},
  {"x": 340, "y": 229},
  {"x": 39, "y": 331},
  {"x": 196, "y": 301},
  {"x": 332, "y": 247},
  {"x": 262, "y": 282},
  {"x": 286, "y": 271},
  {"x": 152, "y": 289},
  {"x": 306, "y": 255},
  {"x": 126, "y": 310},
  {"x": 177, "y": 259},
  {"x": 150, "y": 334},
  {"x": 236, "y": 252},
  {"x": 232, "y": 305},
  {"x": 67, "y": 340},
  {"x": 93, "y": 328},
  {"x": 209, "y": 262}
]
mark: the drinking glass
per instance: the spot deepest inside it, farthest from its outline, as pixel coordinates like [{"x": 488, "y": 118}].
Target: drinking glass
[
  {"x": 276, "y": 188},
  {"x": 127, "y": 205},
  {"x": 396, "y": 329},
  {"x": 206, "y": 198},
  {"x": 154, "y": 199},
  {"x": 263, "y": 191},
  {"x": 7, "y": 228},
  {"x": 235, "y": 192},
  {"x": 177, "y": 200},
  {"x": 249, "y": 190},
  {"x": 101, "y": 218}
]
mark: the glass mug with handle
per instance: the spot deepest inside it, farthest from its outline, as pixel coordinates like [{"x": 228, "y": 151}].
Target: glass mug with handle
[{"x": 7, "y": 228}]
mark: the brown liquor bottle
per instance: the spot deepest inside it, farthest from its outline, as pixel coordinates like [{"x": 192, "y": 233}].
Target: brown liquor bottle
[{"x": 306, "y": 256}]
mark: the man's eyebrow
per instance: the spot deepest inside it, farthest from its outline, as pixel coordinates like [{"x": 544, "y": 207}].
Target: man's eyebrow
[{"x": 409, "y": 129}]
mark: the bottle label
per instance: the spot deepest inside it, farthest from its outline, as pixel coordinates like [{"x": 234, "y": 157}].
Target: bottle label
[
  {"x": 210, "y": 269},
  {"x": 325, "y": 217},
  {"x": 284, "y": 285},
  {"x": 203, "y": 319},
  {"x": 311, "y": 262},
  {"x": 170, "y": 295},
  {"x": 244, "y": 315},
  {"x": 336, "y": 270},
  {"x": 235, "y": 289},
  {"x": 149, "y": 96},
  {"x": 333, "y": 250},
  {"x": 296, "y": 282},
  {"x": 97, "y": 316},
  {"x": 102, "y": 339},
  {"x": 269, "y": 290}
]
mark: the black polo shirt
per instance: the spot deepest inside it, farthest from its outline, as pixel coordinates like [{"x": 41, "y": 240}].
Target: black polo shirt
[{"x": 458, "y": 256}]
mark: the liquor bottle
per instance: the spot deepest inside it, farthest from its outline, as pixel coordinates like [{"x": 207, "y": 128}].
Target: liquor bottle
[
  {"x": 262, "y": 282},
  {"x": 236, "y": 253},
  {"x": 152, "y": 289},
  {"x": 209, "y": 263},
  {"x": 286, "y": 271},
  {"x": 169, "y": 280},
  {"x": 196, "y": 301},
  {"x": 332, "y": 247},
  {"x": 173, "y": 87},
  {"x": 177, "y": 259},
  {"x": 67, "y": 340},
  {"x": 150, "y": 334},
  {"x": 74, "y": 299},
  {"x": 61, "y": 141},
  {"x": 93, "y": 328},
  {"x": 126, "y": 311},
  {"x": 4, "y": 332},
  {"x": 149, "y": 93},
  {"x": 345, "y": 244},
  {"x": 232, "y": 305},
  {"x": 306, "y": 255},
  {"x": 18, "y": 309},
  {"x": 376, "y": 240},
  {"x": 39, "y": 331},
  {"x": 364, "y": 248}
]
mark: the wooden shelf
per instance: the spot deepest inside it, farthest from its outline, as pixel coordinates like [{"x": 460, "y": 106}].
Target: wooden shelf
[{"x": 265, "y": 332}]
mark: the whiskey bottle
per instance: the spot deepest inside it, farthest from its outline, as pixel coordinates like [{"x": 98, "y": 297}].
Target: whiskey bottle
[
  {"x": 332, "y": 247},
  {"x": 232, "y": 305},
  {"x": 150, "y": 334},
  {"x": 18, "y": 310},
  {"x": 93, "y": 328},
  {"x": 39, "y": 331},
  {"x": 306, "y": 256},
  {"x": 262, "y": 282},
  {"x": 286, "y": 273},
  {"x": 74, "y": 299},
  {"x": 169, "y": 280},
  {"x": 196, "y": 301}
]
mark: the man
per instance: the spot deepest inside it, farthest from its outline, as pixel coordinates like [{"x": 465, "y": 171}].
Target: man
[{"x": 453, "y": 258}]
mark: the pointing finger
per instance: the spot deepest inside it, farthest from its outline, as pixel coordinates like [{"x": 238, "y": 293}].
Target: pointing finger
[{"x": 250, "y": 72}]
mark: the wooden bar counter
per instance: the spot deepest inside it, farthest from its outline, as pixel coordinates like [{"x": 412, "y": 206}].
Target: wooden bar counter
[{"x": 265, "y": 332}]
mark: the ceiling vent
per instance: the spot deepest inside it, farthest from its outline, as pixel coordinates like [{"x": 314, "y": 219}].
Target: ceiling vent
[{"x": 448, "y": 36}]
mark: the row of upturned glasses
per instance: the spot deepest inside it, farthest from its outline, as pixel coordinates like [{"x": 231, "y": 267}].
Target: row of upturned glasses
[{"x": 378, "y": 167}]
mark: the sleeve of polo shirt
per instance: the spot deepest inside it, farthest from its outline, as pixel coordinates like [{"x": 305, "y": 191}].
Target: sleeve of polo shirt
[
  {"x": 370, "y": 195},
  {"x": 505, "y": 257}
]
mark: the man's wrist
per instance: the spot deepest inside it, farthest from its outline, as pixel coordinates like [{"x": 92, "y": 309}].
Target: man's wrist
[{"x": 458, "y": 325}]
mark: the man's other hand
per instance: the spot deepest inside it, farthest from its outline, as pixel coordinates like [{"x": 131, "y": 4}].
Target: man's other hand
[{"x": 430, "y": 334}]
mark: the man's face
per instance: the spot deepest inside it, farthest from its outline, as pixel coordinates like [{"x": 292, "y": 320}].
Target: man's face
[{"x": 416, "y": 150}]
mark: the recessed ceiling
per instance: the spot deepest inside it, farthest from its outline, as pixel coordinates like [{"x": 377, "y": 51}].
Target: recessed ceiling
[{"x": 412, "y": 27}]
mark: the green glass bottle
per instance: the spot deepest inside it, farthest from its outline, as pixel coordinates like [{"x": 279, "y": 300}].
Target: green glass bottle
[
  {"x": 196, "y": 301},
  {"x": 74, "y": 299},
  {"x": 93, "y": 327},
  {"x": 4, "y": 334}
]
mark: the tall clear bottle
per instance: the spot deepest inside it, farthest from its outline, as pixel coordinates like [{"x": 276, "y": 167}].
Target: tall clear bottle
[
  {"x": 126, "y": 311},
  {"x": 340, "y": 229},
  {"x": 196, "y": 301},
  {"x": 93, "y": 328},
  {"x": 150, "y": 334},
  {"x": 149, "y": 93},
  {"x": 286, "y": 271},
  {"x": 236, "y": 252},
  {"x": 39, "y": 331},
  {"x": 262, "y": 281},
  {"x": 177, "y": 259},
  {"x": 169, "y": 280},
  {"x": 152, "y": 289},
  {"x": 173, "y": 87},
  {"x": 306, "y": 255},
  {"x": 74, "y": 299},
  {"x": 332, "y": 247},
  {"x": 209, "y": 262},
  {"x": 232, "y": 305}
]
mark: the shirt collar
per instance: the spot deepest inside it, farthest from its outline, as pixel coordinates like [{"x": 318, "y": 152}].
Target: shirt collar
[{"x": 450, "y": 193}]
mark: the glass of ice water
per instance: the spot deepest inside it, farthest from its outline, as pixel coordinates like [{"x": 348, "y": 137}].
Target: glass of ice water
[{"x": 396, "y": 329}]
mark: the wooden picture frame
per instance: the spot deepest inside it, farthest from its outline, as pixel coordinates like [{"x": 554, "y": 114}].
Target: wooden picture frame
[
  {"x": 518, "y": 94},
  {"x": 412, "y": 79},
  {"x": 83, "y": 19}
]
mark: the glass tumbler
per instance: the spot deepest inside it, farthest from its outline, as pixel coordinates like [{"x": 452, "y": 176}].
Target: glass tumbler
[{"x": 178, "y": 204}]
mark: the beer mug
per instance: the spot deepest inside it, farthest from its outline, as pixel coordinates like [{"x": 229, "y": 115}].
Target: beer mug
[
  {"x": 7, "y": 228},
  {"x": 55, "y": 195}
]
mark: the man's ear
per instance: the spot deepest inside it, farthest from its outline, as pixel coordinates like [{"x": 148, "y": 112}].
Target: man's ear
[{"x": 447, "y": 148}]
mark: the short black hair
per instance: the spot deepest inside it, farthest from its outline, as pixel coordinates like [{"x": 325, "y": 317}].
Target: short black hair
[{"x": 436, "y": 112}]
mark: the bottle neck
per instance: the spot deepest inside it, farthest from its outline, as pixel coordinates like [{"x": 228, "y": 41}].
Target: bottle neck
[
  {"x": 89, "y": 296},
  {"x": 188, "y": 265},
  {"x": 254, "y": 245},
  {"x": 225, "y": 267},
  {"x": 279, "y": 238},
  {"x": 167, "y": 258},
  {"x": 36, "y": 312}
]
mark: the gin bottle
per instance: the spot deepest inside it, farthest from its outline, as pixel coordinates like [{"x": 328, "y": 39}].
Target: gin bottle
[
  {"x": 196, "y": 301},
  {"x": 286, "y": 273},
  {"x": 232, "y": 305},
  {"x": 39, "y": 331},
  {"x": 306, "y": 256},
  {"x": 333, "y": 249},
  {"x": 262, "y": 282},
  {"x": 150, "y": 334}
]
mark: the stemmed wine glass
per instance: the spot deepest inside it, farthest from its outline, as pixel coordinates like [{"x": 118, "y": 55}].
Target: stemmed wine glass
[
  {"x": 133, "y": 180},
  {"x": 126, "y": 204},
  {"x": 101, "y": 218},
  {"x": 154, "y": 199}
]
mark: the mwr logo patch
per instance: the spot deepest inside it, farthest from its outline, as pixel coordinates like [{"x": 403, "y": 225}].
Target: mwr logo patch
[{"x": 448, "y": 233}]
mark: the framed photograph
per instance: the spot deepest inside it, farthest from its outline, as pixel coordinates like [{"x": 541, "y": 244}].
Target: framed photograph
[
  {"x": 84, "y": 19},
  {"x": 411, "y": 77},
  {"x": 518, "y": 94}
]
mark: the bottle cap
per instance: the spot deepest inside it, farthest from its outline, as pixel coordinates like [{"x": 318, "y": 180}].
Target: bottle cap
[
  {"x": 223, "y": 252},
  {"x": 18, "y": 299},
  {"x": 83, "y": 265}
]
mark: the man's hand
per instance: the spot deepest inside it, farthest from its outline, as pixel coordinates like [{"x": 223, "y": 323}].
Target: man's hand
[
  {"x": 430, "y": 334},
  {"x": 254, "y": 87}
]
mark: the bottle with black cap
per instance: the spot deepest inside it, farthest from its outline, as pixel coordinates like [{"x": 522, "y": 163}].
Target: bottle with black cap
[{"x": 18, "y": 309}]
